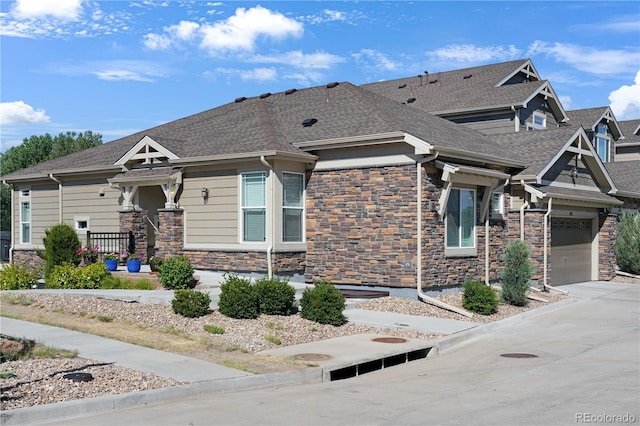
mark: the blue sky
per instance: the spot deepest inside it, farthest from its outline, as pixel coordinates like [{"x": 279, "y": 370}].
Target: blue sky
[{"x": 116, "y": 67}]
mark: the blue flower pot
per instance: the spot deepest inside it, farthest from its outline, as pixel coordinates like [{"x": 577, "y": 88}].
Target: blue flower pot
[
  {"x": 112, "y": 265},
  {"x": 133, "y": 265}
]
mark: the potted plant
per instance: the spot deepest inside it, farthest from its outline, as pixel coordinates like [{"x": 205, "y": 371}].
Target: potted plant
[
  {"x": 154, "y": 263},
  {"x": 134, "y": 261},
  {"x": 111, "y": 260},
  {"x": 88, "y": 254}
]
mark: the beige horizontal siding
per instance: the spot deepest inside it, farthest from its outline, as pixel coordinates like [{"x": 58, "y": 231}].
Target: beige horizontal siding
[{"x": 82, "y": 198}]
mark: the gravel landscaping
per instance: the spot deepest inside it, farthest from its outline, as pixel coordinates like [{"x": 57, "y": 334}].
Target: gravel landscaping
[{"x": 41, "y": 381}]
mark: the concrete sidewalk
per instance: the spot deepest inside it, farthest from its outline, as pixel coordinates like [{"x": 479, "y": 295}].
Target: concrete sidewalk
[{"x": 205, "y": 377}]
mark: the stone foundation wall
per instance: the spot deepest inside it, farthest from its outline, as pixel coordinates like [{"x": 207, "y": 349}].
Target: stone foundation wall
[
  {"x": 241, "y": 261},
  {"x": 28, "y": 257},
  {"x": 136, "y": 222}
]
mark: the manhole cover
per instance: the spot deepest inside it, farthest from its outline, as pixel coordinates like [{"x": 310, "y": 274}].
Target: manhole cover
[
  {"x": 79, "y": 377},
  {"x": 312, "y": 357},
  {"x": 389, "y": 340},
  {"x": 518, "y": 355}
]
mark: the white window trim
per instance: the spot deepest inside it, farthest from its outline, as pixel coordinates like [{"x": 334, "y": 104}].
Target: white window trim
[
  {"x": 25, "y": 197},
  {"x": 463, "y": 251},
  {"x": 303, "y": 209},
  {"x": 78, "y": 219},
  {"x": 605, "y": 137},
  {"x": 533, "y": 125},
  {"x": 241, "y": 208}
]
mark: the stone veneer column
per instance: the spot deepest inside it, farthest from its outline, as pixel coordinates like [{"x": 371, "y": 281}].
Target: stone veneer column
[
  {"x": 169, "y": 240},
  {"x": 136, "y": 221},
  {"x": 607, "y": 234},
  {"x": 534, "y": 237}
]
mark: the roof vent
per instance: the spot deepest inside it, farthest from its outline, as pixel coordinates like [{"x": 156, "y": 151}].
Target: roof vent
[
  {"x": 290, "y": 91},
  {"x": 308, "y": 122},
  {"x": 402, "y": 86},
  {"x": 466, "y": 76},
  {"x": 411, "y": 100},
  {"x": 433, "y": 81},
  {"x": 243, "y": 98},
  {"x": 332, "y": 85},
  {"x": 265, "y": 95}
]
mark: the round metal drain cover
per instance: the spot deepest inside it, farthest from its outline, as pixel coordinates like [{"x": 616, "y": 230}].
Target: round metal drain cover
[
  {"x": 312, "y": 357},
  {"x": 79, "y": 377},
  {"x": 518, "y": 355},
  {"x": 389, "y": 340}
]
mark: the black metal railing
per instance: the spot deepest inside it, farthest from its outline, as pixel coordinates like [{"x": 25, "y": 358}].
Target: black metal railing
[{"x": 112, "y": 242}]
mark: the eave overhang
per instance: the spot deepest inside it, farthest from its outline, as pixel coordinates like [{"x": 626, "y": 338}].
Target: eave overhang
[{"x": 239, "y": 157}]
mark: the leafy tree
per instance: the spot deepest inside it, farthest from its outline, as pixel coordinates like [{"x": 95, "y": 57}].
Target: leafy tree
[
  {"x": 35, "y": 150},
  {"x": 628, "y": 243}
]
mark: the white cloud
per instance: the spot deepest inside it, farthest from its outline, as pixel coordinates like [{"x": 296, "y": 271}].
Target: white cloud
[
  {"x": 471, "y": 54},
  {"x": 18, "y": 112},
  {"x": 588, "y": 59},
  {"x": 297, "y": 59},
  {"x": 185, "y": 30},
  {"x": 625, "y": 101},
  {"x": 121, "y": 75},
  {"x": 157, "y": 41},
  {"x": 60, "y": 9},
  {"x": 565, "y": 101},
  {"x": 174, "y": 34},
  {"x": 379, "y": 60},
  {"x": 240, "y": 31},
  {"x": 260, "y": 74},
  {"x": 118, "y": 70}
]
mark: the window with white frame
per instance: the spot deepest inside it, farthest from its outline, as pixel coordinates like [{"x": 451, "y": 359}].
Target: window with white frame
[
  {"x": 82, "y": 223},
  {"x": 461, "y": 218},
  {"x": 254, "y": 206},
  {"x": 292, "y": 207},
  {"x": 25, "y": 216},
  {"x": 497, "y": 203},
  {"x": 538, "y": 121},
  {"x": 602, "y": 142}
]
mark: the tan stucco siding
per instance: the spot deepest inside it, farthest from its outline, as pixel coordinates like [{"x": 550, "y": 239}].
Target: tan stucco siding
[
  {"x": 214, "y": 220},
  {"x": 84, "y": 199}
]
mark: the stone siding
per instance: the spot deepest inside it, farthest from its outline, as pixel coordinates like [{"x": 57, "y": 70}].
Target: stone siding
[
  {"x": 242, "y": 261},
  {"x": 136, "y": 222},
  {"x": 28, "y": 258},
  {"x": 607, "y": 234},
  {"x": 169, "y": 240}
]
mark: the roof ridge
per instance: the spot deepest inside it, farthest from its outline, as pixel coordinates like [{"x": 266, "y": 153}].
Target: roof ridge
[{"x": 266, "y": 120}]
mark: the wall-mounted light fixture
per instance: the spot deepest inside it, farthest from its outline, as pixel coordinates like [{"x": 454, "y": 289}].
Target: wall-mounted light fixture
[
  {"x": 574, "y": 172},
  {"x": 205, "y": 193}
]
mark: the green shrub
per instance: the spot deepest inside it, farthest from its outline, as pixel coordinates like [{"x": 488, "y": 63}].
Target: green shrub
[
  {"x": 628, "y": 243},
  {"x": 238, "y": 298},
  {"x": 275, "y": 297},
  {"x": 479, "y": 297},
  {"x": 175, "y": 273},
  {"x": 60, "y": 246},
  {"x": 516, "y": 273},
  {"x": 72, "y": 277},
  {"x": 213, "y": 329},
  {"x": 191, "y": 303},
  {"x": 17, "y": 276},
  {"x": 323, "y": 304},
  {"x": 273, "y": 339}
]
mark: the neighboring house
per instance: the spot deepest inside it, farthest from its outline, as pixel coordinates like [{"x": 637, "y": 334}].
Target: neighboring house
[
  {"x": 628, "y": 147},
  {"x": 341, "y": 183}
]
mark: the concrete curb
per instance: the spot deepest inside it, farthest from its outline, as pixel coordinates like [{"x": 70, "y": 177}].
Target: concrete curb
[{"x": 61, "y": 411}]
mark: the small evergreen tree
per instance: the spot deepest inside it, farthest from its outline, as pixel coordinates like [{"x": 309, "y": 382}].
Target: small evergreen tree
[
  {"x": 479, "y": 297},
  {"x": 628, "y": 243},
  {"x": 323, "y": 304},
  {"x": 60, "y": 246},
  {"x": 516, "y": 273}
]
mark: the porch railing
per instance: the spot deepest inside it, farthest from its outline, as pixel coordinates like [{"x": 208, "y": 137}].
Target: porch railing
[{"x": 112, "y": 242}]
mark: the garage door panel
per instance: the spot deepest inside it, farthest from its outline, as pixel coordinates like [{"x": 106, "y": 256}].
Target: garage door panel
[{"x": 571, "y": 244}]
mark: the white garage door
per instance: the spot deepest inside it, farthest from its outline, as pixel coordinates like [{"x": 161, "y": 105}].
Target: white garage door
[{"x": 571, "y": 244}]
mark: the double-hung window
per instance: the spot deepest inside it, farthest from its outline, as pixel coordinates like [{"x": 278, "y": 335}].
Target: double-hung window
[
  {"x": 461, "y": 219},
  {"x": 602, "y": 142},
  {"x": 292, "y": 207},
  {"x": 25, "y": 216},
  {"x": 254, "y": 206}
]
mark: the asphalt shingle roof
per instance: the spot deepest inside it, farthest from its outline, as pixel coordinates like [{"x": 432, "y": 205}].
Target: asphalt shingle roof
[
  {"x": 628, "y": 128},
  {"x": 586, "y": 117},
  {"x": 626, "y": 176},
  {"x": 274, "y": 123}
]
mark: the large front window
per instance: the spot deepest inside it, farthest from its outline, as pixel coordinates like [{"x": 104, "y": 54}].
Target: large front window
[
  {"x": 254, "y": 208},
  {"x": 461, "y": 218},
  {"x": 292, "y": 207},
  {"x": 602, "y": 142},
  {"x": 25, "y": 216}
]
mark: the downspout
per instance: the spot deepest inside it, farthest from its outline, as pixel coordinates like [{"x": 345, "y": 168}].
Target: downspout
[
  {"x": 546, "y": 286},
  {"x": 4, "y": 182},
  {"x": 524, "y": 206},
  {"x": 269, "y": 265},
  {"x": 420, "y": 294},
  {"x": 53, "y": 178}
]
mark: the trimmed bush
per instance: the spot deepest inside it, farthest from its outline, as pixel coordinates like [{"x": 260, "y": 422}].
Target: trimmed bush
[
  {"x": 479, "y": 298},
  {"x": 60, "y": 246},
  {"x": 17, "y": 276},
  {"x": 275, "y": 297},
  {"x": 71, "y": 277},
  {"x": 175, "y": 273},
  {"x": 238, "y": 298},
  {"x": 323, "y": 304},
  {"x": 516, "y": 273},
  {"x": 628, "y": 243},
  {"x": 191, "y": 303}
]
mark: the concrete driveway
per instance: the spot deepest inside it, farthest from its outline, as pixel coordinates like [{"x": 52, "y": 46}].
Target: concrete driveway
[{"x": 581, "y": 366}]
